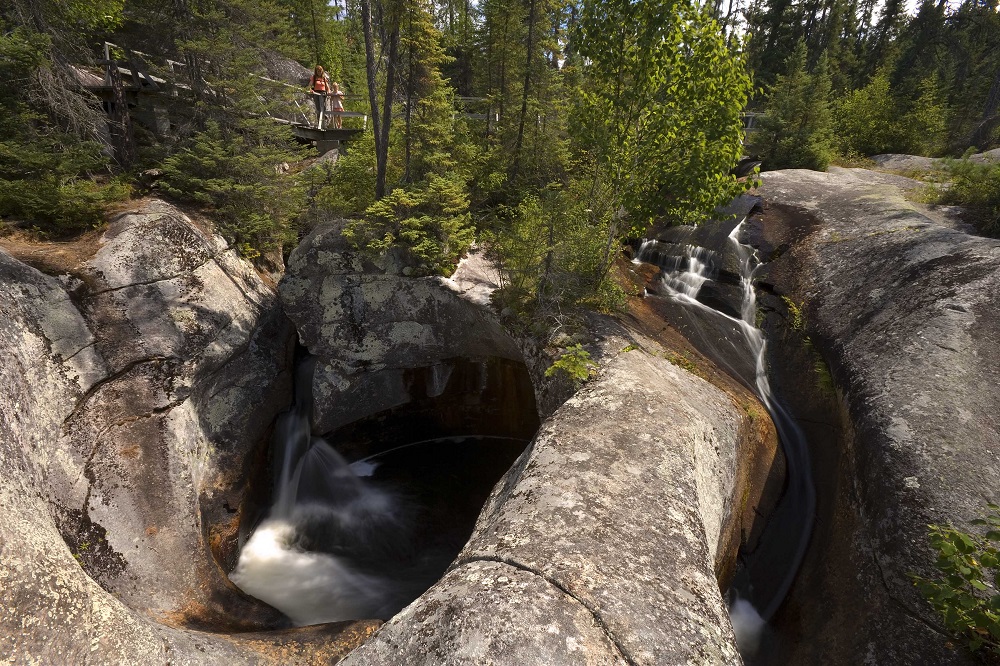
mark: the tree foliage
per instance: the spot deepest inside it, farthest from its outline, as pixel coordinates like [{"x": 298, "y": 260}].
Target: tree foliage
[
  {"x": 977, "y": 188},
  {"x": 660, "y": 108},
  {"x": 428, "y": 221},
  {"x": 796, "y": 130},
  {"x": 239, "y": 178},
  {"x": 50, "y": 177},
  {"x": 550, "y": 252},
  {"x": 868, "y": 120},
  {"x": 966, "y": 595}
]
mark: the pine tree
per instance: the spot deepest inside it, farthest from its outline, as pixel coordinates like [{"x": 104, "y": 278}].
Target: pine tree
[
  {"x": 926, "y": 122},
  {"x": 231, "y": 171},
  {"x": 795, "y": 131},
  {"x": 869, "y": 121},
  {"x": 53, "y": 169},
  {"x": 428, "y": 132}
]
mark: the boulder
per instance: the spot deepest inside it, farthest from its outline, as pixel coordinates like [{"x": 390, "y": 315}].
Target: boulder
[
  {"x": 366, "y": 324},
  {"x": 601, "y": 544},
  {"x": 138, "y": 388},
  {"x": 902, "y": 307},
  {"x": 901, "y": 162},
  {"x": 987, "y": 157}
]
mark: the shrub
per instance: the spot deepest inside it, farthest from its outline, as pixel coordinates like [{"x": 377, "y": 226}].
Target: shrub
[
  {"x": 237, "y": 175},
  {"x": 867, "y": 120},
  {"x": 796, "y": 128},
  {"x": 549, "y": 250},
  {"x": 429, "y": 220},
  {"x": 926, "y": 124},
  {"x": 346, "y": 188},
  {"x": 966, "y": 594},
  {"x": 575, "y": 363},
  {"x": 977, "y": 188},
  {"x": 49, "y": 178},
  {"x": 47, "y": 182}
]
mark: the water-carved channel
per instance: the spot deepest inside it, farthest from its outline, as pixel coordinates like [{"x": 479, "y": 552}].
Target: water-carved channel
[
  {"x": 364, "y": 519},
  {"x": 706, "y": 288}
]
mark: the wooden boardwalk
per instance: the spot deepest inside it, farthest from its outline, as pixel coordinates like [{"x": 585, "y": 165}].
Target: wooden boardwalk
[{"x": 325, "y": 139}]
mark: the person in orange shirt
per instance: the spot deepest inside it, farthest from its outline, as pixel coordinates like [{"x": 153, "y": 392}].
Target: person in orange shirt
[{"x": 319, "y": 88}]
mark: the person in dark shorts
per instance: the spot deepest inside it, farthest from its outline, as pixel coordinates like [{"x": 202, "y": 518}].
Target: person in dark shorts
[{"x": 319, "y": 88}]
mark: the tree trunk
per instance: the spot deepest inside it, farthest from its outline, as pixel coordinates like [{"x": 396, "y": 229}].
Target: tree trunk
[
  {"x": 467, "y": 51},
  {"x": 409, "y": 105},
  {"x": 382, "y": 146},
  {"x": 121, "y": 122},
  {"x": 991, "y": 116},
  {"x": 515, "y": 161},
  {"x": 366, "y": 27},
  {"x": 993, "y": 98},
  {"x": 545, "y": 280}
]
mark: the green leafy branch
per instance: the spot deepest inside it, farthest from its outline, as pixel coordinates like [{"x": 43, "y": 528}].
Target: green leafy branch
[
  {"x": 575, "y": 362},
  {"x": 967, "y": 595}
]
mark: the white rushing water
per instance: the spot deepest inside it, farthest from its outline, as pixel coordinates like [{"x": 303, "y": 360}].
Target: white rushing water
[
  {"x": 306, "y": 586},
  {"x": 313, "y": 555},
  {"x": 789, "y": 527}
]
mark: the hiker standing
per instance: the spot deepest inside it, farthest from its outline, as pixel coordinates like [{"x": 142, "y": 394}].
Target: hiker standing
[
  {"x": 319, "y": 87},
  {"x": 337, "y": 104}
]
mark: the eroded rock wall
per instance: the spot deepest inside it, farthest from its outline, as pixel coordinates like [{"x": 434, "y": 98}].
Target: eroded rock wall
[
  {"x": 603, "y": 543},
  {"x": 367, "y": 324},
  {"x": 593, "y": 549},
  {"x": 902, "y": 304},
  {"x": 135, "y": 388}
]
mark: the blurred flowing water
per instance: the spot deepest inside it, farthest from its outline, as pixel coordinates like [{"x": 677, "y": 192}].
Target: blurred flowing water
[
  {"x": 722, "y": 324},
  {"x": 346, "y": 541}
]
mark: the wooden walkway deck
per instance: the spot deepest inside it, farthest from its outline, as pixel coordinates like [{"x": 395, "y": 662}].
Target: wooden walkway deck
[{"x": 325, "y": 139}]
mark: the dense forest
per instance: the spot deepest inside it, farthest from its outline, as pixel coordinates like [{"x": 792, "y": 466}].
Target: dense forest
[{"x": 549, "y": 130}]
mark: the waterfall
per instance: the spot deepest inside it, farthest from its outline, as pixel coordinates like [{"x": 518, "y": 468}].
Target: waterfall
[
  {"x": 768, "y": 572},
  {"x": 316, "y": 555}
]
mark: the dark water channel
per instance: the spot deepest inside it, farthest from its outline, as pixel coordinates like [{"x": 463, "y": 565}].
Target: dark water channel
[
  {"x": 706, "y": 290},
  {"x": 363, "y": 520}
]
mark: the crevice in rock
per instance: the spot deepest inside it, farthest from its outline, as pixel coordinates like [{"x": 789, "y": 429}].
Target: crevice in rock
[
  {"x": 73, "y": 355},
  {"x": 146, "y": 283},
  {"x": 605, "y": 629},
  {"x": 429, "y": 442},
  {"x": 215, "y": 259},
  {"x": 100, "y": 383},
  {"x": 99, "y": 441}
]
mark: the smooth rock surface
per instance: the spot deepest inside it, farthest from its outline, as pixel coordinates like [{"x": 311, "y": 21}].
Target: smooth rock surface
[
  {"x": 904, "y": 311},
  {"x": 491, "y": 613},
  {"x": 136, "y": 389},
  {"x": 616, "y": 508},
  {"x": 902, "y": 162},
  {"x": 989, "y": 156}
]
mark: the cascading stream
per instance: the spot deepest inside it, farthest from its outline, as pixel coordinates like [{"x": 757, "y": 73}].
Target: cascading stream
[
  {"x": 766, "y": 573},
  {"x": 315, "y": 556},
  {"x": 348, "y": 541}
]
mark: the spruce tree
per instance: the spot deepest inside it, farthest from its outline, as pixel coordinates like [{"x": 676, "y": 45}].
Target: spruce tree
[
  {"x": 54, "y": 171},
  {"x": 869, "y": 121},
  {"x": 795, "y": 131}
]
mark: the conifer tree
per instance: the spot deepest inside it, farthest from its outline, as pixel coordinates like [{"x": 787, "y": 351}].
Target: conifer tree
[
  {"x": 926, "y": 123},
  {"x": 795, "y": 131},
  {"x": 428, "y": 131},
  {"x": 868, "y": 120},
  {"x": 51, "y": 138}
]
